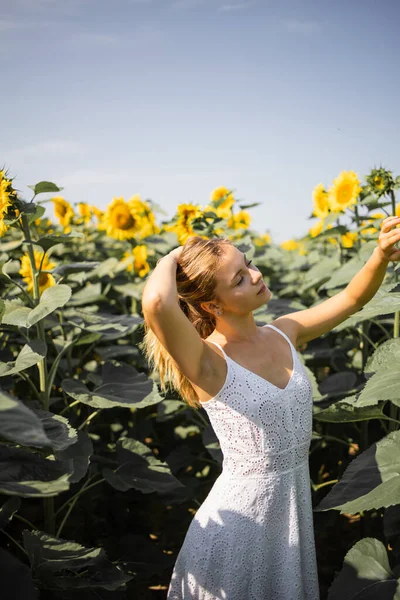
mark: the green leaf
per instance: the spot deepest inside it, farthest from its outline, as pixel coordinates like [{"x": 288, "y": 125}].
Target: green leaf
[
  {"x": 36, "y": 214},
  {"x": 79, "y": 455},
  {"x": 140, "y": 469},
  {"x": 109, "y": 326},
  {"x": 246, "y": 206},
  {"x": 319, "y": 273},
  {"x": 346, "y": 272},
  {"x": 12, "y": 245},
  {"x": 366, "y": 573},
  {"x": 58, "y": 429},
  {"x": 344, "y": 412},
  {"x": 90, "y": 294},
  {"x": 384, "y": 385},
  {"x": 30, "y": 355},
  {"x": 385, "y": 357},
  {"x": 44, "y": 187},
  {"x": 52, "y": 298},
  {"x": 76, "y": 267},
  {"x": 383, "y": 303},
  {"x": 15, "y": 314},
  {"x": 61, "y": 564},
  {"x": 29, "y": 475},
  {"x": 48, "y": 241},
  {"x": 20, "y": 424},
  {"x": 371, "y": 481},
  {"x": 121, "y": 386}
]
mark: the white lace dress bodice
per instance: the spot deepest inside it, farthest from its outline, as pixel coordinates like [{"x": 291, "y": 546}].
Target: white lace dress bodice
[{"x": 253, "y": 536}]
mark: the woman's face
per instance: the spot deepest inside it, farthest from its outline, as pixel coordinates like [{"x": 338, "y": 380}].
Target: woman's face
[{"x": 239, "y": 284}]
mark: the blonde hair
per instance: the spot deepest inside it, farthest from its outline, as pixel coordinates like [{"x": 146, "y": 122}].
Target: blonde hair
[{"x": 195, "y": 282}]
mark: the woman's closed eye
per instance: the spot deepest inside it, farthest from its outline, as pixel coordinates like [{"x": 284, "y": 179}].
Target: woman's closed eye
[{"x": 248, "y": 264}]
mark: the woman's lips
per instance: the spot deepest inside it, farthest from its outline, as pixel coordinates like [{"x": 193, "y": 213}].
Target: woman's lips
[{"x": 264, "y": 287}]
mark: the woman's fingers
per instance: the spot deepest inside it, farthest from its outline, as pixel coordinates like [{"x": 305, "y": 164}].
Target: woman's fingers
[{"x": 388, "y": 223}]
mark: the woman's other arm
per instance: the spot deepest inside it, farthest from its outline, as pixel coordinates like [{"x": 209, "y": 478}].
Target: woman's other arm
[{"x": 310, "y": 323}]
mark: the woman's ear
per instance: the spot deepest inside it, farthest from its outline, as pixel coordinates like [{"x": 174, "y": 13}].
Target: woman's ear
[{"x": 209, "y": 307}]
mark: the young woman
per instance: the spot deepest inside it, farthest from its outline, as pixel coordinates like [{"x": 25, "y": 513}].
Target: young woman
[{"x": 252, "y": 538}]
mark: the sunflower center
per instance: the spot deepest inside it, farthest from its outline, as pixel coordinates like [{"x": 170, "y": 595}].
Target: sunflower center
[
  {"x": 43, "y": 279},
  {"x": 345, "y": 193},
  {"x": 122, "y": 218}
]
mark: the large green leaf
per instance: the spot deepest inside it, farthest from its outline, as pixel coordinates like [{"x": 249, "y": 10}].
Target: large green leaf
[
  {"x": 320, "y": 272},
  {"x": 385, "y": 357},
  {"x": 48, "y": 241},
  {"x": 121, "y": 386},
  {"x": 75, "y": 267},
  {"x": 109, "y": 326},
  {"x": 58, "y": 429},
  {"x": 15, "y": 313},
  {"x": 344, "y": 274},
  {"x": 29, "y": 475},
  {"x": 79, "y": 455},
  {"x": 383, "y": 303},
  {"x": 61, "y": 564},
  {"x": 384, "y": 385},
  {"x": 51, "y": 299},
  {"x": 19, "y": 424},
  {"x": 31, "y": 354},
  {"x": 90, "y": 294},
  {"x": 366, "y": 574},
  {"x": 371, "y": 481},
  {"x": 344, "y": 412},
  {"x": 140, "y": 469}
]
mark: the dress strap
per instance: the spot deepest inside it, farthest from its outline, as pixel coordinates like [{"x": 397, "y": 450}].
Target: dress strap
[
  {"x": 220, "y": 347},
  {"x": 281, "y": 332}
]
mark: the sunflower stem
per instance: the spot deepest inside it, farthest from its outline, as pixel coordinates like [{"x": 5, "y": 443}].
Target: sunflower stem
[
  {"x": 357, "y": 218},
  {"x": 48, "y": 503}
]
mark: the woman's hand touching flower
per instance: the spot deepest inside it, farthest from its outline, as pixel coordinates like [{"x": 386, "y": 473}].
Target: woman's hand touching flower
[{"x": 388, "y": 237}]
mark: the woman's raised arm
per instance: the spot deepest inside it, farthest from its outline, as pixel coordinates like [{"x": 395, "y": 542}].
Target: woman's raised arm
[
  {"x": 160, "y": 306},
  {"x": 312, "y": 322}
]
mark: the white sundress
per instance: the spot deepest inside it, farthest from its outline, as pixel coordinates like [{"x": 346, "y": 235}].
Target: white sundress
[{"x": 253, "y": 536}]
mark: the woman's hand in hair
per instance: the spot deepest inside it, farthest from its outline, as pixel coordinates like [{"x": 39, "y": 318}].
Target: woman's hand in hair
[{"x": 175, "y": 253}]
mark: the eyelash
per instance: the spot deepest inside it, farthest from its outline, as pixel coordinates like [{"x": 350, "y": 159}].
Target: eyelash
[{"x": 248, "y": 264}]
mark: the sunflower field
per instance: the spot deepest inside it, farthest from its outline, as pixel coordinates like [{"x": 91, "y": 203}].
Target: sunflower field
[{"x": 101, "y": 472}]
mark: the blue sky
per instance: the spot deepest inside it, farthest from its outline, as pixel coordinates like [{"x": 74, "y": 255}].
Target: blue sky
[{"x": 172, "y": 98}]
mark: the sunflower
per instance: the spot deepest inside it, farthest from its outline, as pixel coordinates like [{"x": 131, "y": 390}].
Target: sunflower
[
  {"x": 182, "y": 223},
  {"x": 378, "y": 215},
  {"x": 139, "y": 264},
  {"x": 320, "y": 201},
  {"x": 316, "y": 229},
  {"x": 348, "y": 239},
  {"x": 84, "y": 211},
  {"x": 143, "y": 209},
  {"x": 344, "y": 192},
  {"x": 99, "y": 214},
  {"x": 46, "y": 280},
  {"x": 290, "y": 245},
  {"x": 5, "y": 200},
  {"x": 121, "y": 220},
  {"x": 240, "y": 220},
  {"x": 63, "y": 211},
  {"x": 380, "y": 181},
  {"x": 262, "y": 240},
  {"x": 223, "y": 200},
  {"x": 371, "y": 230}
]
